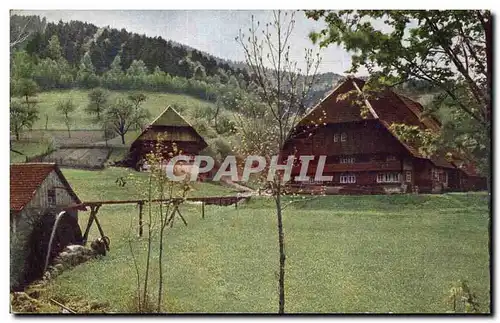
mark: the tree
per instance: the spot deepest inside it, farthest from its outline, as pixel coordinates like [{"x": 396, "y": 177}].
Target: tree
[
  {"x": 86, "y": 73},
  {"x": 121, "y": 116},
  {"x": 66, "y": 108},
  {"x": 137, "y": 99},
  {"x": 449, "y": 49},
  {"x": 137, "y": 68},
  {"x": 25, "y": 88},
  {"x": 54, "y": 48},
  {"x": 276, "y": 79},
  {"x": 98, "y": 99},
  {"x": 22, "y": 116}
]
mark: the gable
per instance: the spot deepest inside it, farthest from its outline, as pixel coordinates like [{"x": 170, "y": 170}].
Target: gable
[{"x": 27, "y": 178}]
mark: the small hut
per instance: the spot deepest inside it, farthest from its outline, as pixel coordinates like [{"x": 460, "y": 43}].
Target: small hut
[{"x": 168, "y": 129}]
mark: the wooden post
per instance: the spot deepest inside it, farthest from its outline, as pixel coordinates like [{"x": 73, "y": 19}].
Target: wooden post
[
  {"x": 202, "y": 209},
  {"x": 140, "y": 218},
  {"x": 93, "y": 211}
]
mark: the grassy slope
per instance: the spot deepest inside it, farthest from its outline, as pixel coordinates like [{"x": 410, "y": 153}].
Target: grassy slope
[
  {"x": 344, "y": 254},
  {"x": 155, "y": 103},
  {"x": 30, "y": 149}
]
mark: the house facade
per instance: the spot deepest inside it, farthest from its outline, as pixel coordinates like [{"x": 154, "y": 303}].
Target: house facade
[{"x": 363, "y": 154}]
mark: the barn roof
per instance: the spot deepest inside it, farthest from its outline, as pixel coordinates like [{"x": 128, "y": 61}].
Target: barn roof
[
  {"x": 173, "y": 127},
  {"x": 26, "y": 178},
  {"x": 387, "y": 107}
]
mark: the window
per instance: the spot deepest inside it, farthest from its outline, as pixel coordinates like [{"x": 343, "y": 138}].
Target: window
[
  {"x": 51, "y": 197},
  {"x": 347, "y": 178},
  {"x": 388, "y": 178},
  {"x": 336, "y": 137},
  {"x": 347, "y": 160},
  {"x": 435, "y": 174},
  {"x": 343, "y": 136},
  {"x": 390, "y": 158},
  {"x": 408, "y": 177}
]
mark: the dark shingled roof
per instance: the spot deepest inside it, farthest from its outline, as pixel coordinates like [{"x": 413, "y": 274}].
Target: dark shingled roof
[
  {"x": 25, "y": 179},
  {"x": 387, "y": 107}
]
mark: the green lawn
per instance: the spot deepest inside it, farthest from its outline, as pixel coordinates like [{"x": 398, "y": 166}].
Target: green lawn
[
  {"x": 155, "y": 103},
  {"x": 344, "y": 254},
  {"x": 100, "y": 185}
]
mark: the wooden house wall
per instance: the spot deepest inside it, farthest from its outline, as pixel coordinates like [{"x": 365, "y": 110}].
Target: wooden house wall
[{"x": 366, "y": 137}]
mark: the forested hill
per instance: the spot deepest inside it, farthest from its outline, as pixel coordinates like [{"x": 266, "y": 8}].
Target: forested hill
[{"x": 103, "y": 44}]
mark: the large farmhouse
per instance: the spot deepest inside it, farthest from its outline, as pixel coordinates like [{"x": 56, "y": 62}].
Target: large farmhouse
[
  {"x": 168, "y": 129},
  {"x": 364, "y": 155}
]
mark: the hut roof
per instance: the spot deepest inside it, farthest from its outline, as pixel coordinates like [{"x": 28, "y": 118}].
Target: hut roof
[
  {"x": 26, "y": 178},
  {"x": 172, "y": 127}
]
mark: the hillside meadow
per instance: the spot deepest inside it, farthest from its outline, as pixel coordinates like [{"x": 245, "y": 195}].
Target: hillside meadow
[
  {"x": 155, "y": 103},
  {"x": 345, "y": 254}
]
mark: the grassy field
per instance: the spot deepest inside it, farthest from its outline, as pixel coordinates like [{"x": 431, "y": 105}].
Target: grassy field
[
  {"x": 345, "y": 254},
  {"x": 101, "y": 185},
  {"x": 155, "y": 103}
]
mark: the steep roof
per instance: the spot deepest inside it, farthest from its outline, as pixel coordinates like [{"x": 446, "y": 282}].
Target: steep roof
[
  {"x": 164, "y": 125},
  {"x": 26, "y": 178},
  {"x": 387, "y": 107}
]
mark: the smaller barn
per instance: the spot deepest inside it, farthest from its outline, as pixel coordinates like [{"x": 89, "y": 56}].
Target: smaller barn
[
  {"x": 38, "y": 192},
  {"x": 169, "y": 129},
  {"x": 39, "y": 188}
]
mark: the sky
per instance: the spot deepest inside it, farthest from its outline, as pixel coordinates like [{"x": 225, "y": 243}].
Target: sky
[{"x": 211, "y": 31}]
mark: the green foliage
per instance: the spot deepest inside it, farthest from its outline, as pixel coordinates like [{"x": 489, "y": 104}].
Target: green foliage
[
  {"x": 22, "y": 117},
  {"x": 449, "y": 50},
  {"x": 25, "y": 88},
  {"x": 121, "y": 115},
  {"x": 54, "y": 48},
  {"x": 98, "y": 99},
  {"x": 66, "y": 108},
  {"x": 426, "y": 140}
]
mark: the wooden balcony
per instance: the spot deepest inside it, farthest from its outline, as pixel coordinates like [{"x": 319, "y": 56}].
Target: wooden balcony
[{"x": 355, "y": 167}]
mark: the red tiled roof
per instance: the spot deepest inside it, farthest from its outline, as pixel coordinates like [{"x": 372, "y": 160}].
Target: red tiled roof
[{"x": 26, "y": 178}]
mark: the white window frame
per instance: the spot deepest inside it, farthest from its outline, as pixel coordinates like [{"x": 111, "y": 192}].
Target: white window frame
[
  {"x": 336, "y": 137},
  {"x": 389, "y": 177},
  {"x": 347, "y": 178},
  {"x": 343, "y": 136},
  {"x": 347, "y": 160},
  {"x": 408, "y": 176}
]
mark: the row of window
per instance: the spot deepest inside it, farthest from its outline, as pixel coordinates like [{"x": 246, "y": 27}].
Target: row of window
[
  {"x": 342, "y": 136},
  {"x": 389, "y": 178},
  {"x": 350, "y": 178},
  {"x": 352, "y": 160}
]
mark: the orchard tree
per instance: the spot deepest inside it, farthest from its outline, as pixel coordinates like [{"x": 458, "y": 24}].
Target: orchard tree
[
  {"x": 122, "y": 115},
  {"x": 22, "y": 116},
  {"x": 98, "y": 99},
  {"x": 66, "y": 108},
  {"x": 26, "y": 89},
  {"x": 282, "y": 87},
  {"x": 137, "y": 99},
  {"x": 451, "y": 50}
]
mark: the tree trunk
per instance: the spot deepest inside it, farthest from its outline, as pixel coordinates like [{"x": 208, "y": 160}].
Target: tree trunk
[
  {"x": 281, "y": 241},
  {"x": 69, "y": 132},
  {"x": 122, "y": 135}
]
